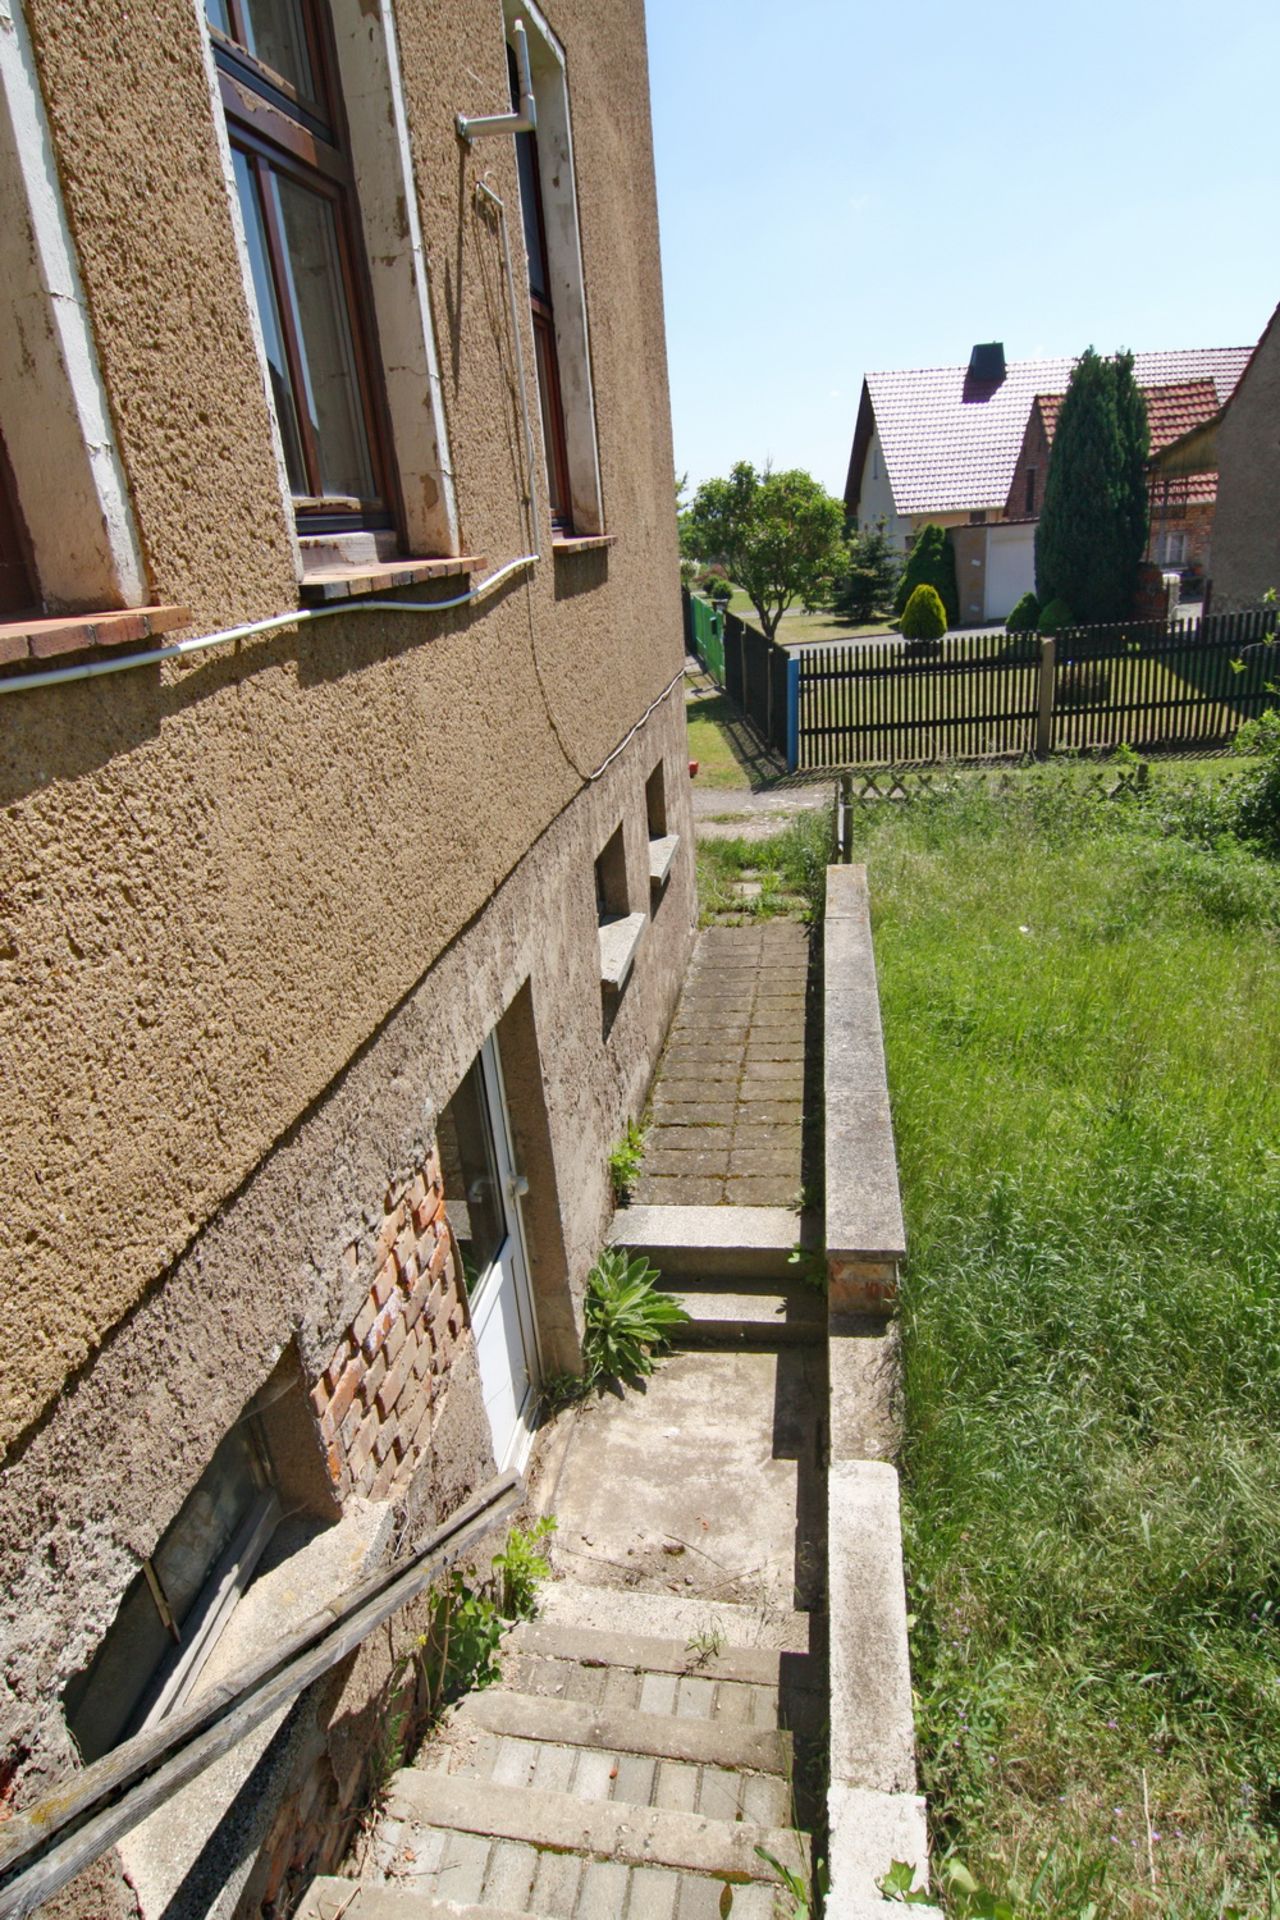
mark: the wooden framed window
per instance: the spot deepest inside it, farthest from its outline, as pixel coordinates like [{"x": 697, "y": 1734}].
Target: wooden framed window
[
  {"x": 544, "y": 319},
  {"x": 17, "y": 580},
  {"x": 278, "y": 78}
]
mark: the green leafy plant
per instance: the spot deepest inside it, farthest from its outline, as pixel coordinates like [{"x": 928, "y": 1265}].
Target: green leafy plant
[
  {"x": 1258, "y": 809},
  {"x": 1025, "y": 615},
  {"x": 520, "y": 1568},
  {"x": 625, "y": 1159},
  {"x": 458, "y": 1651},
  {"x": 924, "y": 617},
  {"x": 899, "y": 1884},
  {"x": 803, "y": 1904},
  {"x": 627, "y": 1318},
  {"x": 707, "y": 1644}
]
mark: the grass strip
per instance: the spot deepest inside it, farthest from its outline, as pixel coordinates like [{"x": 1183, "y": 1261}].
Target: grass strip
[{"x": 1082, "y": 1013}]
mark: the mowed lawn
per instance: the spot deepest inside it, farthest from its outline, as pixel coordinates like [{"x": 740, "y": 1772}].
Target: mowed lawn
[
  {"x": 1082, "y": 1013},
  {"x": 978, "y": 699}
]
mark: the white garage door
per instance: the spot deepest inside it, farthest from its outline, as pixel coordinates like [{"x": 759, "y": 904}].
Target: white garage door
[{"x": 1011, "y": 568}]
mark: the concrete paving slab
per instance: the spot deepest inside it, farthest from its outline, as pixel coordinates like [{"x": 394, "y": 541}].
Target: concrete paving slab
[{"x": 707, "y": 1483}]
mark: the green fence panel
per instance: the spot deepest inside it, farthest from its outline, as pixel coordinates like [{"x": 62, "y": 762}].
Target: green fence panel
[{"x": 708, "y": 637}]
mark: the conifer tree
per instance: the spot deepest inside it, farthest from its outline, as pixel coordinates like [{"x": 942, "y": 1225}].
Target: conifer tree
[
  {"x": 931, "y": 563},
  {"x": 1093, "y": 525}
]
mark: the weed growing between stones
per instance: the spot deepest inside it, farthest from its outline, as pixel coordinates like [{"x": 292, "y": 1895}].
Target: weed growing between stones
[{"x": 624, "y": 1161}]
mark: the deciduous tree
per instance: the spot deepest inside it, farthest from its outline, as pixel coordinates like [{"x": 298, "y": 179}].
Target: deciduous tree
[{"x": 777, "y": 535}]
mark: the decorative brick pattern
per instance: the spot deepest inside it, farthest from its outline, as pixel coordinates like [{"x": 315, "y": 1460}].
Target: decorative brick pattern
[{"x": 377, "y": 1398}]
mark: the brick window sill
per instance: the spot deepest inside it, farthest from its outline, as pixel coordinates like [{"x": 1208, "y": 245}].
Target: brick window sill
[
  {"x": 24, "y": 642},
  {"x": 584, "y": 543},
  {"x": 325, "y": 585}
]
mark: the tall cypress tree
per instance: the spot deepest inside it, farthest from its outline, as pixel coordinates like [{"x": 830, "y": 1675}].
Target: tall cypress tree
[{"x": 1093, "y": 525}]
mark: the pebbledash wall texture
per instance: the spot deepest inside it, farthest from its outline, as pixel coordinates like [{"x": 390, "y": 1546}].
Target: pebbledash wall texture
[{"x": 263, "y": 908}]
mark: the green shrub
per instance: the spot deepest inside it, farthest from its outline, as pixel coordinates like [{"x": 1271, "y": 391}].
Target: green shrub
[
  {"x": 1054, "y": 617},
  {"x": 627, "y": 1319},
  {"x": 924, "y": 617},
  {"x": 1025, "y": 615},
  {"x": 931, "y": 563},
  {"x": 1258, "y": 811}
]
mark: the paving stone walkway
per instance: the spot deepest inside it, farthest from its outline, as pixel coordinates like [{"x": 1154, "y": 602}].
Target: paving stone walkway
[{"x": 728, "y": 1099}]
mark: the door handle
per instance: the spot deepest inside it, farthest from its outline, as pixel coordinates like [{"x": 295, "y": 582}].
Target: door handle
[{"x": 518, "y": 1186}]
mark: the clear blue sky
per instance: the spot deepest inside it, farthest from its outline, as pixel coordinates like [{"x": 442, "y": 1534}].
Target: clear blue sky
[{"x": 846, "y": 187}]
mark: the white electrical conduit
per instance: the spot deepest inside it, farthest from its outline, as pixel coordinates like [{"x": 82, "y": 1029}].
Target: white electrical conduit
[
  {"x": 300, "y": 617},
  {"x": 305, "y": 616}
]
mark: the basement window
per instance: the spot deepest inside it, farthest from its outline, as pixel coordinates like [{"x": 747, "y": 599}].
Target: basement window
[
  {"x": 620, "y": 929},
  {"x": 662, "y": 845},
  {"x": 179, "y": 1602}
]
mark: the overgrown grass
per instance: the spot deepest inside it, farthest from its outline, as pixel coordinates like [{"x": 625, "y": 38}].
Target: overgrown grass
[
  {"x": 789, "y": 866},
  {"x": 1082, "y": 1015}
]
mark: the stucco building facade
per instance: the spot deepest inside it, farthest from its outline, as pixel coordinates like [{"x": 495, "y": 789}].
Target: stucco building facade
[{"x": 334, "y": 953}]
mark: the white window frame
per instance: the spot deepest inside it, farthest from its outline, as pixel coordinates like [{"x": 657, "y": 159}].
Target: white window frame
[
  {"x": 564, "y": 263},
  {"x": 372, "y": 88},
  {"x": 67, "y": 470}
]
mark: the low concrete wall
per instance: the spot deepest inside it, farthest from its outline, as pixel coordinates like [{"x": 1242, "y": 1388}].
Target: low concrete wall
[
  {"x": 874, "y": 1814},
  {"x": 865, "y": 1235}
]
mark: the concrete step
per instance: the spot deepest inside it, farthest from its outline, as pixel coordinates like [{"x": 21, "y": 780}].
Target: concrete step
[
  {"x": 639, "y": 1610},
  {"x": 753, "y": 1243},
  {"x": 435, "y": 1812},
  {"x": 569, "y": 1723},
  {"x": 594, "y": 1649},
  {"x": 718, "y": 1769},
  {"x": 758, "y": 1313},
  {"x": 330, "y": 1898}
]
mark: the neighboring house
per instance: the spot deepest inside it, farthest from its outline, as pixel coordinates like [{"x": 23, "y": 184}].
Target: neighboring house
[
  {"x": 333, "y": 956},
  {"x": 968, "y": 447},
  {"x": 1240, "y": 446}
]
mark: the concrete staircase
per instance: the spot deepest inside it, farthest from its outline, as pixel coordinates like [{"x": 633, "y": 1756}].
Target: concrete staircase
[{"x": 608, "y": 1773}]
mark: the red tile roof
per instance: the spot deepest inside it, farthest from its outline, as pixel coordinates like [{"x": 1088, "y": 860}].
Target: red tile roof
[
  {"x": 1171, "y": 411},
  {"x": 950, "y": 445}
]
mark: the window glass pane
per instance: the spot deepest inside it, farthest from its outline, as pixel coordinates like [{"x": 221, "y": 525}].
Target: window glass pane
[
  {"x": 269, "y": 319},
  {"x": 470, "y": 1168},
  {"x": 16, "y": 592},
  {"x": 332, "y": 396},
  {"x": 527, "y": 158},
  {"x": 215, "y": 12},
  {"x": 206, "y": 1521},
  {"x": 549, "y": 399},
  {"x": 275, "y": 34}
]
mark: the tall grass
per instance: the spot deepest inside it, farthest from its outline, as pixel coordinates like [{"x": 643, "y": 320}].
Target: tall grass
[{"x": 1083, "y": 1029}]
